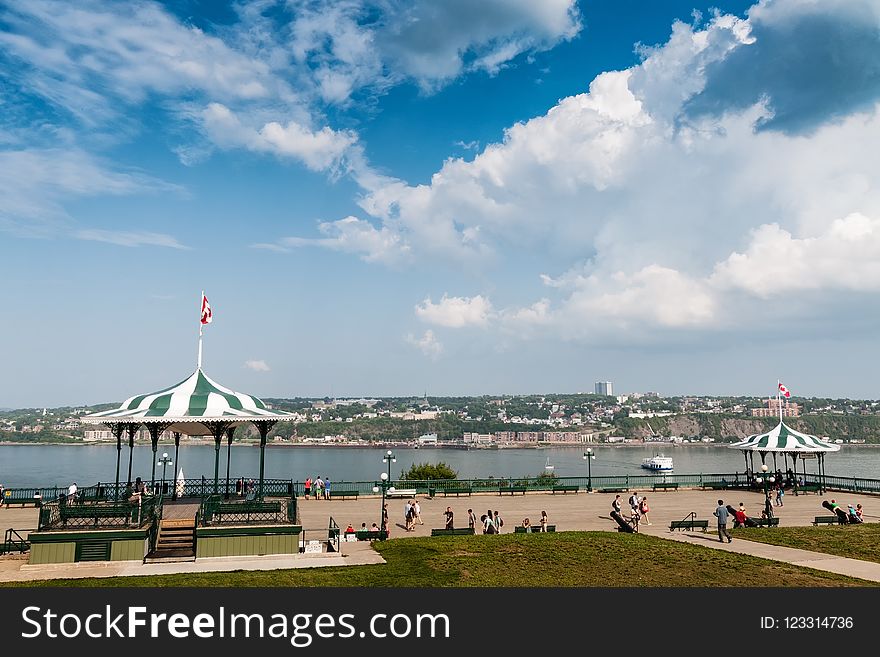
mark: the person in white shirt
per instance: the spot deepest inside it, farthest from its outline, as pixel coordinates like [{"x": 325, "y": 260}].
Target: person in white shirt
[
  {"x": 417, "y": 512},
  {"x": 71, "y": 492}
]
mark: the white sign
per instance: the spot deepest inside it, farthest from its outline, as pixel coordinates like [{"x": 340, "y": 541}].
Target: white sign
[{"x": 312, "y": 547}]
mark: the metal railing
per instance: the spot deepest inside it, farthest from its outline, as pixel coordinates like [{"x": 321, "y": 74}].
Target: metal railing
[
  {"x": 215, "y": 511},
  {"x": 99, "y": 515},
  {"x": 15, "y": 542}
]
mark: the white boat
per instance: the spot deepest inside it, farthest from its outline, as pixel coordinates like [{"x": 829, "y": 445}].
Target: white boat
[
  {"x": 548, "y": 466},
  {"x": 658, "y": 462}
]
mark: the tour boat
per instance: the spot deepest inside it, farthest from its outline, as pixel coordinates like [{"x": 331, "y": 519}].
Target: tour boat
[
  {"x": 658, "y": 463},
  {"x": 549, "y": 466}
]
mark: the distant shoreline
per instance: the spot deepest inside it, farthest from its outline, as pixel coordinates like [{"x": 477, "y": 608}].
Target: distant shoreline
[{"x": 382, "y": 445}]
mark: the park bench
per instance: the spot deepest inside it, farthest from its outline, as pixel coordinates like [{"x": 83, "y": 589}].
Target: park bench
[
  {"x": 457, "y": 531},
  {"x": 402, "y": 492},
  {"x": 245, "y": 509},
  {"x": 96, "y": 511},
  {"x": 511, "y": 489},
  {"x": 688, "y": 524},
  {"x": 342, "y": 493},
  {"x": 565, "y": 489},
  {"x": 664, "y": 486},
  {"x": 825, "y": 520},
  {"x": 612, "y": 490},
  {"x": 808, "y": 488},
  {"x": 716, "y": 485},
  {"x": 21, "y": 498},
  {"x": 767, "y": 522},
  {"x": 456, "y": 490},
  {"x": 371, "y": 535},
  {"x": 536, "y": 529}
]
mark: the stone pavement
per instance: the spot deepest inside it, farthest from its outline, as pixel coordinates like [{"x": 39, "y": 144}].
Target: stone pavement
[{"x": 580, "y": 511}]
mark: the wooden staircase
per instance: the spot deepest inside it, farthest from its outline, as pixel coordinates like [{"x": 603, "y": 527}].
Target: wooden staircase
[{"x": 176, "y": 541}]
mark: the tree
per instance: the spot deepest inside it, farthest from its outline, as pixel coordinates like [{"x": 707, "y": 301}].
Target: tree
[{"x": 427, "y": 471}]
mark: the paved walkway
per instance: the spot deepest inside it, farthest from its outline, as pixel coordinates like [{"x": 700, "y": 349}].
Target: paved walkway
[{"x": 570, "y": 511}]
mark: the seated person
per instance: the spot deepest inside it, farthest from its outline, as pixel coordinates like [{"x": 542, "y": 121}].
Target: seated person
[
  {"x": 374, "y": 527},
  {"x": 739, "y": 518},
  {"x": 349, "y": 529},
  {"x": 859, "y": 512},
  {"x": 853, "y": 516},
  {"x": 527, "y": 524}
]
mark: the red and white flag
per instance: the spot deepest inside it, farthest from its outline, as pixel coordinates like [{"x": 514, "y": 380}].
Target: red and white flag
[
  {"x": 785, "y": 392},
  {"x": 207, "y": 315}
]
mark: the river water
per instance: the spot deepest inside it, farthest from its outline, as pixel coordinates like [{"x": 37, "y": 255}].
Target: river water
[{"x": 51, "y": 465}]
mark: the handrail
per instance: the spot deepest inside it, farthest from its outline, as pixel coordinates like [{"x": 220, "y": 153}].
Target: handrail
[
  {"x": 689, "y": 517},
  {"x": 22, "y": 545}
]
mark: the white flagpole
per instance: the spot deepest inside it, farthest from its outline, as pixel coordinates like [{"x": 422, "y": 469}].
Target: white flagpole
[
  {"x": 778, "y": 399},
  {"x": 201, "y": 298}
]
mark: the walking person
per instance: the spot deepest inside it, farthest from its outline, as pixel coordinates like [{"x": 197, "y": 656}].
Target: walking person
[
  {"x": 780, "y": 493},
  {"x": 407, "y": 515},
  {"x": 417, "y": 513},
  {"x": 307, "y": 486},
  {"x": 449, "y": 516},
  {"x": 488, "y": 523},
  {"x": 722, "y": 514},
  {"x": 544, "y": 521},
  {"x": 643, "y": 510},
  {"x": 615, "y": 505},
  {"x": 768, "y": 507},
  {"x": 472, "y": 520},
  {"x": 499, "y": 523},
  {"x": 634, "y": 500}
]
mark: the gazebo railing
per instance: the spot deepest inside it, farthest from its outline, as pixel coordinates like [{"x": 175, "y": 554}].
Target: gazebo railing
[{"x": 99, "y": 515}]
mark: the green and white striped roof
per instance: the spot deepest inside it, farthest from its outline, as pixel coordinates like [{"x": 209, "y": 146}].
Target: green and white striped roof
[
  {"x": 783, "y": 438},
  {"x": 187, "y": 405}
]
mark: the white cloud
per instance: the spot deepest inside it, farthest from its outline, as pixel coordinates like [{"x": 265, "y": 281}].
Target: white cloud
[
  {"x": 256, "y": 365},
  {"x": 455, "y": 312},
  {"x": 318, "y": 150},
  {"x": 427, "y": 343},
  {"x": 128, "y": 238}
]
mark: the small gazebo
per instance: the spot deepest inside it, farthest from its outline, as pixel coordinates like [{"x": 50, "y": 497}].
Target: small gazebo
[
  {"x": 197, "y": 406},
  {"x": 782, "y": 439}
]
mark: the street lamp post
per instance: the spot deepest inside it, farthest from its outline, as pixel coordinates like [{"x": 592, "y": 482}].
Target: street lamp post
[
  {"x": 384, "y": 485},
  {"x": 588, "y": 457},
  {"x": 164, "y": 461},
  {"x": 389, "y": 458}
]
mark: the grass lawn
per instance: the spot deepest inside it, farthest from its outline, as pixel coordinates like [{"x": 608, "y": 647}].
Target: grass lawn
[
  {"x": 513, "y": 560},
  {"x": 853, "y": 541}
]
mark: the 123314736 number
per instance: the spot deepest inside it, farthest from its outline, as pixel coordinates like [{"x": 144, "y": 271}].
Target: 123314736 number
[{"x": 817, "y": 622}]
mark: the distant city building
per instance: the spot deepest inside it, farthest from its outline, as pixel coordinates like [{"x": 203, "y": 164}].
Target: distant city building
[
  {"x": 604, "y": 388},
  {"x": 789, "y": 409},
  {"x": 428, "y": 439}
]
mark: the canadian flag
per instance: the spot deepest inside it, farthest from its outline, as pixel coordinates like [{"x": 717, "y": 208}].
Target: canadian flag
[
  {"x": 785, "y": 392},
  {"x": 207, "y": 315}
]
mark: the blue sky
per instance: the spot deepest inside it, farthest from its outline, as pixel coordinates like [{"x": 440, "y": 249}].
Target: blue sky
[{"x": 383, "y": 197}]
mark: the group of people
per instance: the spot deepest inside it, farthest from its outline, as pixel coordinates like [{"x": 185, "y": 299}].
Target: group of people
[
  {"x": 412, "y": 514},
  {"x": 318, "y": 487},
  {"x": 245, "y": 488},
  {"x": 854, "y": 514},
  {"x": 638, "y": 507},
  {"x": 542, "y": 524}
]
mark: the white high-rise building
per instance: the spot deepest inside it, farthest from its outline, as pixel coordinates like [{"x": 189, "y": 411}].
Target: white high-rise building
[{"x": 604, "y": 388}]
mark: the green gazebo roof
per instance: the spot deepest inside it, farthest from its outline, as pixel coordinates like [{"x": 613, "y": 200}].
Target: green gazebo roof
[{"x": 783, "y": 438}]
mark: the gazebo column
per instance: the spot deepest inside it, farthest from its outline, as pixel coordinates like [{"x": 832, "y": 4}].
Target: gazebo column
[
  {"x": 156, "y": 430},
  {"x": 117, "y": 430},
  {"x": 263, "y": 426},
  {"x": 132, "y": 431},
  {"x": 229, "y": 432},
  {"x": 176, "y": 462},
  {"x": 218, "y": 429}
]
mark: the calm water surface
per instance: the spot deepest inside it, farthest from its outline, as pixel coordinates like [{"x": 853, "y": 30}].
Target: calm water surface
[{"x": 49, "y": 465}]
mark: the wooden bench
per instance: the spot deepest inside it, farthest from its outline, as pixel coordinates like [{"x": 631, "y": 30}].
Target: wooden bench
[
  {"x": 681, "y": 525},
  {"x": 342, "y": 493},
  {"x": 825, "y": 520},
  {"x": 536, "y": 529},
  {"x": 459, "y": 490},
  {"x": 767, "y": 522},
  {"x": 565, "y": 489},
  {"x": 664, "y": 486},
  {"x": 457, "y": 531},
  {"x": 371, "y": 535},
  {"x": 612, "y": 490},
  {"x": 402, "y": 492},
  {"x": 511, "y": 489}
]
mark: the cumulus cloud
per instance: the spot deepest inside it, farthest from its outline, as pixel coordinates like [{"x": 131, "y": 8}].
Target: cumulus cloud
[
  {"x": 455, "y": 312},
  {"x": 256, "y": 365},
  {"x": 427, "y": 343}
]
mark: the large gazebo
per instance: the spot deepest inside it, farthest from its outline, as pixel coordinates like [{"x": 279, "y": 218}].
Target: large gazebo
[
  {"x": 197, "y": 406},
  {"x": 782, "y": 439}
]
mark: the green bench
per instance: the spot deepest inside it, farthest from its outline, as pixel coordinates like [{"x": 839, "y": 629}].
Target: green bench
[
  {"x": 767, "y": 522},
  {"x": 10, "y": 497},
  {"x": 664, "y": 486},
  {"x": 715, "y": 485},
  {"x": 612, "y": 490},
  {"x": 511, "y": 489},
  {"x": 342, "y": 493},
  {"x": 809, "y": 488},
  {"x": 97, "y": 512},
  {"x": 825, "y": 520},
  {"x": 519, "y": 529},
  {"x": 457, "y": 490},
  {"x": 565, "y": 489},
  {"x": 371, "y": 535},
  {"x": 681, "y": 525},
  {"x": 457, "y": 531}
]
